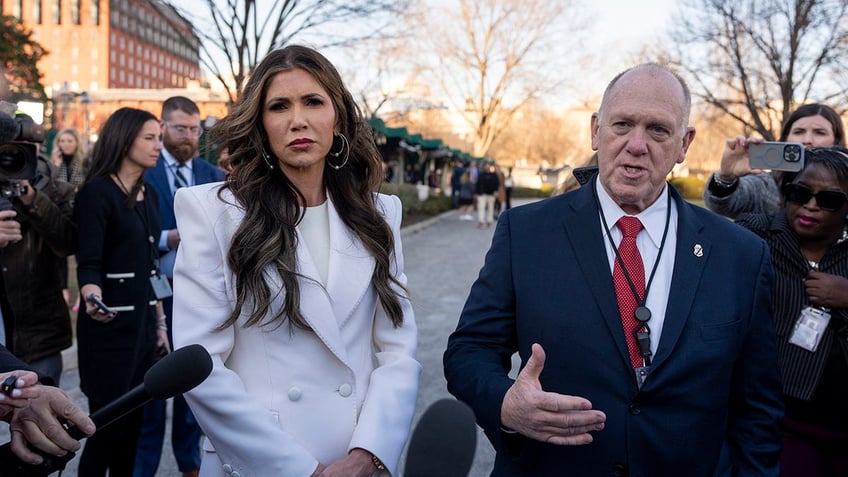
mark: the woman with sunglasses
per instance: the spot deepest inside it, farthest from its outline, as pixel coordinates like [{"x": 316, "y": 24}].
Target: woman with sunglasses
[
  {"x": 734, "y": 189},
  {"x": 809, "y": 253}
]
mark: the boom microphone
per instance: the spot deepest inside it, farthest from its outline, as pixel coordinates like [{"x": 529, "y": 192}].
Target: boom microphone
[
  {"x": 444, "y": 441},
  {"x": 176, "y": 373}
]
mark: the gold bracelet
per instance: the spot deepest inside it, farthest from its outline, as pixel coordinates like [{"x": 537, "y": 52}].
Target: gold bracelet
[{"x": 377, "y": 462}]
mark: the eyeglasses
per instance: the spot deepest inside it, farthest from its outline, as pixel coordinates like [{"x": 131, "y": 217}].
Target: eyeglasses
[
  {"x": 829, "y": 200},
  {"x": 185, "y": 131}
]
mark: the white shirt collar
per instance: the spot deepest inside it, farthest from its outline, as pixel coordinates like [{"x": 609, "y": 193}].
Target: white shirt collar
[
  {"x": 653, "y": 218},
  {"x": 173, "y": 163}
]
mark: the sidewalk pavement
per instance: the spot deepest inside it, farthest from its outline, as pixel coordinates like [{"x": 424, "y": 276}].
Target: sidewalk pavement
[{"x": 443, "y": 256}]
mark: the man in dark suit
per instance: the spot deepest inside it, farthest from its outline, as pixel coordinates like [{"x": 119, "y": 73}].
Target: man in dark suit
[
  {"x": 178, "y": 166},
  {"x": 661, "y": 366}
]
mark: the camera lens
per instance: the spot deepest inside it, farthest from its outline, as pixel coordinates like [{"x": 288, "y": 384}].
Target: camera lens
[{"x": 17, "y": 161}]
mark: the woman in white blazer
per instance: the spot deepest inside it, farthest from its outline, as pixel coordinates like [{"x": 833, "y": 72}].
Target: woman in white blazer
[{"x": 290, "y": 273}]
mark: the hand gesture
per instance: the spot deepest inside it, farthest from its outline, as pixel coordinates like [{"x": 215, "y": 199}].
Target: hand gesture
[
  {"x": 10, "y": 230},
  {"x": 547, "y": 417},
  {"x": 827, "y": 290},
  {"x": 40, "y": 425},
  {"x": 95, "y": 311},
  {"x": 734, "y": 159}
]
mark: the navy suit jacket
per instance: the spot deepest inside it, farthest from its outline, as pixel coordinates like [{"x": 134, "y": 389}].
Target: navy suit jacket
[
  {"x": 203, "y": 173},
  {"x": 712, "y": 403}
]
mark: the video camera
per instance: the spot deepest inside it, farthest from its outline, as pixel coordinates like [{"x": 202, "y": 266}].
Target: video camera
[{"x": 18, "y": 151}]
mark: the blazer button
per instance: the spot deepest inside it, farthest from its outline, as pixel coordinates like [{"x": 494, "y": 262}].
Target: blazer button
[
  {"x": 228, "y": 469},
  {"x": 121, "y": 280},
  {"x": 619, "y": 470},
  {"x": 345, "y": 390},
  {"x": 235, "y": 474},
  {"x": 295, "y": 394},
  {"x": 635, "y": 409}
]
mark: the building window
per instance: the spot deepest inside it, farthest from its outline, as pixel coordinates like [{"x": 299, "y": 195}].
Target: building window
[
  {"x": 94, "y": 10},
  {"x": 18, "y": 9},
  {"x": 36, "y": 12},
  {"x": 75, "y": 12},
  {"x": 56, "y": 12}
]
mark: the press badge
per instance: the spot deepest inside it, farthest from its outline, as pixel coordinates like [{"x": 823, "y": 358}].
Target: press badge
[
  {"x": 161, "y": 287},
  {"x": 809, "y": 328}
]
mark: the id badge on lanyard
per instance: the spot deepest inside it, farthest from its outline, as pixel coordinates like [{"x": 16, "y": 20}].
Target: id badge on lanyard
[{"x": 809, "y": 328}]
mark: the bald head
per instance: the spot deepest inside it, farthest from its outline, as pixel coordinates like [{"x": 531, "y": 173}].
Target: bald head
[{"x": 653, "y": 72}]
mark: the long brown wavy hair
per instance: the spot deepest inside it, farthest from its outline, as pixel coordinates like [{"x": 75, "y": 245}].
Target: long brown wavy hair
[{"x": 272, "y": 203}]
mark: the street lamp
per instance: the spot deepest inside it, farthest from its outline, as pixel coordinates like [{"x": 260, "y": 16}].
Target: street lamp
[{"x": 85, "y": 99}]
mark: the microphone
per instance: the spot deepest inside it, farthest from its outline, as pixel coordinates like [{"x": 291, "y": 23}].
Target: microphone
[
  {"x": 176, "y": 373},
  {"x": 444, "y": 441}
]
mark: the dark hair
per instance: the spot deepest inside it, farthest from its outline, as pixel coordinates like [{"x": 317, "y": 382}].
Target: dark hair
[
  {"x": 834, "y": 158},
  {"x": 272, "y": 203},
  {"x": 816, "y": 109},
  {"x": 179, "y": 103},
  {"x": 114, "y": 141}
]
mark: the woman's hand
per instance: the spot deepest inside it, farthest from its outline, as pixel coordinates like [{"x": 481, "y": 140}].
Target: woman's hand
[
  {"x": 734, "y": 159},
  {"x": 358, "y": 463},
  {"x": 827, "y": 290},
  {"x": 93, "y": 310}
]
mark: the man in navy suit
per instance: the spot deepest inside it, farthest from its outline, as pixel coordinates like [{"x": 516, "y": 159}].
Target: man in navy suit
[
  {"x": 685, "y": 380},
  {"x": 178, "y": 166}
]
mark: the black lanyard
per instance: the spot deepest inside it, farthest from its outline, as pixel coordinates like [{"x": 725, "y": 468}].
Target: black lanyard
[{"x": 643, "y": 314}]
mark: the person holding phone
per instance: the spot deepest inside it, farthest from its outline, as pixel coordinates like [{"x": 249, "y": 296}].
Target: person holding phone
[
  {"x": 122, "y": 324},
  {"x": 807, "y": 242},
  {"x": 735, "y": 188}
]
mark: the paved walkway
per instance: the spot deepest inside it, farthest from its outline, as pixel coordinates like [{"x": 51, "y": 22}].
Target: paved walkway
[{"x": 443, "y": 256}]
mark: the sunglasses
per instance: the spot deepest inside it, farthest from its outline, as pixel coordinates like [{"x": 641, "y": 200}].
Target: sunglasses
[{"x": 829, "y": 200}]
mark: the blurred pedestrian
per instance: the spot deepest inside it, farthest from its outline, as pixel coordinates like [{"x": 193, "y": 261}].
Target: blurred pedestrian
[
  {"x": 487, "y": 186},
  {"x": 117, "y": 215}
]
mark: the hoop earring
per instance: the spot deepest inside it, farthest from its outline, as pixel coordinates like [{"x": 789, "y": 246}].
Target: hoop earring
[
  {"x": 345, "y": 148},
  {"x": 267, "y": 158}
]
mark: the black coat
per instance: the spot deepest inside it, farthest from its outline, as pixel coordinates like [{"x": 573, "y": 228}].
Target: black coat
[{"x": 115, "y": 252}]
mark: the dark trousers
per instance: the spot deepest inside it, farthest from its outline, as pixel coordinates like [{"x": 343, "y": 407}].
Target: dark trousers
[
  {"x": 811, "y": 451},
  {"x": 112, "y": 447},
  {"x": 185, "y": 438}
]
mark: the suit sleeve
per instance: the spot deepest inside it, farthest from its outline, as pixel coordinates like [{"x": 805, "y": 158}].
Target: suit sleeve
[
  {"x": 756, "y": 403},
  {"x": 386, "y": 415},
  {"x": 478, "y": 356},
  {"x": 241, "y": 431}
]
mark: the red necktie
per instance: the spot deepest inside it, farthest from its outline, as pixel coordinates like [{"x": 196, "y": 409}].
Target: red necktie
[{"x": 627, "y": 302}]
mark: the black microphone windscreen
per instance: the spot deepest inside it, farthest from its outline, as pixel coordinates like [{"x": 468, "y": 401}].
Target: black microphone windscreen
[
  {"x": 444, "y": 441},
  {"x": 178, "y": 372}
]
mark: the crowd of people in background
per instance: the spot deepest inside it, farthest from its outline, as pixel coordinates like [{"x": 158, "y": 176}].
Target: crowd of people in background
[{"x": 246, "y": 259}]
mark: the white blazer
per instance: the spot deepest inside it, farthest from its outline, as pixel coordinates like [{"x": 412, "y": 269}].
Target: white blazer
[{"x": 278, "y": 403}]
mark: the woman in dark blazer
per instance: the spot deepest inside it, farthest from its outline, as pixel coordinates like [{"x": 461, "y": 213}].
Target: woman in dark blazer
[
  {"x": 117, "y": 216},
  {"x": 809, "y": 252}
]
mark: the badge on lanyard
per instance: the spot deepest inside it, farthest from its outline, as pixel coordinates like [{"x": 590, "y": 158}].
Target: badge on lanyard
[
  {"x": 161, "y": 287},
  {"x": 809, "y": 328}
]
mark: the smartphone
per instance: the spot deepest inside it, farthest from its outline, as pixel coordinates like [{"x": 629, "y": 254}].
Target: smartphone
[
  {"x": 776, "y": 156},
  {"x": 99, "y": 304}
]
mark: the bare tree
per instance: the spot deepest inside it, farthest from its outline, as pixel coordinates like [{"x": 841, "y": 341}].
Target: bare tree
[
  {"x": 489, "y": 57},
  {"x": 237, "y": 34},
  {"x": 757, "y": 60}
]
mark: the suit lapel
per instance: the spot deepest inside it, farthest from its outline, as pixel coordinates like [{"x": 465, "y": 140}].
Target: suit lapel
[
  {"x": 350, "y": 270},
  {"x": 160, "y": 179},
  {"x": 691, "y": 255},
  {"x": 583, "y": 228}
]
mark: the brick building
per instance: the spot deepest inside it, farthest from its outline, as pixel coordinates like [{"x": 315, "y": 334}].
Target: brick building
[{"x": 100, "y": 50}]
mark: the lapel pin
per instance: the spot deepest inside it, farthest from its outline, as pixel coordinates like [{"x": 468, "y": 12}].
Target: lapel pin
[{"x": 698, "y": 251}]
